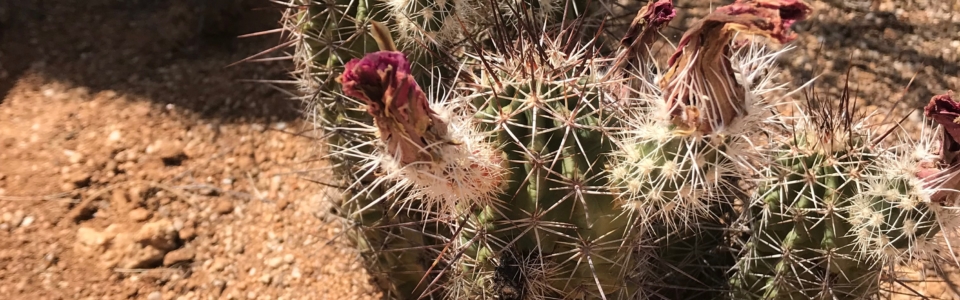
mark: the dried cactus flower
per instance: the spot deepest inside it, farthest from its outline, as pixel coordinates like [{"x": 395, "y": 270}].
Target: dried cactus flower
[
  {"x": 700, "y": 87},
  {"x": 642, "y": 32},
  {"x": 399, "y": 107}
]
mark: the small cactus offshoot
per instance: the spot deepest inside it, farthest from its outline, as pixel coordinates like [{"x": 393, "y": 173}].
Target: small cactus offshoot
[{"x": 506, "y": 149}]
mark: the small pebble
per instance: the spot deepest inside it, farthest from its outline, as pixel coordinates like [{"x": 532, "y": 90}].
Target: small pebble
[
  {"x": 155, "y": 296},
  {"x": 288, "y": 258},
  {"x": 224, "y": 207},
  {"x": 178, "y": 224},
  {"x": 114, "y": 136},
  {"x": 187, "y": 233},
  {"x": 73, "y": 156},
  {"x": 139, "y": 215},
  {"x": 27, "y": 221},
  {"x": 218, "y": 265},
  {"x": 274, "y": 262},
  {"x": 179, "y": 256}
]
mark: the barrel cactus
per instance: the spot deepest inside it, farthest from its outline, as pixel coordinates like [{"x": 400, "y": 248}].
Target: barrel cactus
[{"x": 509, "y": 149}]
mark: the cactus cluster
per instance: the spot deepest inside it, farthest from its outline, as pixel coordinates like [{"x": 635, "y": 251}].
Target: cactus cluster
[{"x": 535, "y": 149}]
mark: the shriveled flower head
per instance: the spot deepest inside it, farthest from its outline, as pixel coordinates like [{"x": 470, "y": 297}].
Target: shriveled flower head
[
  {"x": 700, "y": 87},
  {"x": 653, "y": 16},
  {"x": 945, "y": 111},
  {"x": 661, "y": 12},
  {"x": 643, "y": 31},
  {"x": 399, "y": 107}
]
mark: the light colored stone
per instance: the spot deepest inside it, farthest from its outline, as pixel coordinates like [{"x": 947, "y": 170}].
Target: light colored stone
[
  {"x": 27, "y": 221},
  {"x": 73, "y": 157},
  {"x": 139, "y": 215},
  {"x": 114, "y": 136},
  {"x": 155, "y": 296},
  {"x": 159, "y": 234},
  {"x": 273, "y": 262},
  {"x": 91, "y": 238},
  {"x": 179, "y": 256}
]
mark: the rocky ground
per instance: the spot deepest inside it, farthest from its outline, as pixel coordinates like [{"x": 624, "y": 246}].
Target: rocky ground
[{"x": 134, "y": 165}]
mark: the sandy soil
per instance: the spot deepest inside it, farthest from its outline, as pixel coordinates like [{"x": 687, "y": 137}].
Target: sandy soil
[{"x": 134, "y": 165}]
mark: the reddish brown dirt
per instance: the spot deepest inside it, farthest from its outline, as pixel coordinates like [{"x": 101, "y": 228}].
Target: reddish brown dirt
[
  {"x": 120, "y": 124},
  {"x": 134, "y": 165}
]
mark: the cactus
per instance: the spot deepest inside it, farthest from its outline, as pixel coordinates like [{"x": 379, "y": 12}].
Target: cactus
[
  {"x": 524, "y": 155},
  {"x": 837, "y": 207}
]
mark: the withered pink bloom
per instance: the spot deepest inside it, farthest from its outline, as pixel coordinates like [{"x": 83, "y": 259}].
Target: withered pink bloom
[
  {"x": 399, "y": 107},
  {"x": 663, "y": 13},
  {"x": 700, "y": 87},
  {"x": 643, "y": 31},
  {"x": 651, "y": 17},
  {"x": 945, "y": 111},
  {"x": 778, "y": 16}
]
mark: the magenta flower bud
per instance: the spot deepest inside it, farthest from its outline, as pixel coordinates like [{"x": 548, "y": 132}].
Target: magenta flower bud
[{"x": 400, "y": 109}]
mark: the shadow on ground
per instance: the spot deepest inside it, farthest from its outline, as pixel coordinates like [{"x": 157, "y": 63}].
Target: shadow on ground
[
  {"x": 168, "y": 52},
  {"x": 183, "y": 46},
  {"x": 888, "y": 51}
]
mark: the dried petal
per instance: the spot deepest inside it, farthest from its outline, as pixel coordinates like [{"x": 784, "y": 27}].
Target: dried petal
[
  {"x": 399, "y": 107},
  {"x": 946, "y": 112},
  {"x": 649, "y": 19},
  {"x": 643, "y": 31},
  {"x": 945, "y": 181},
  {"x": 700, "y": 73},
  {"x": 946, "y": 177}
]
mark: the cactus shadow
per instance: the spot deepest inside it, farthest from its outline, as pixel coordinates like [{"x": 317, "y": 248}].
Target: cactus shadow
[{"x": 167, "y": 52}]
